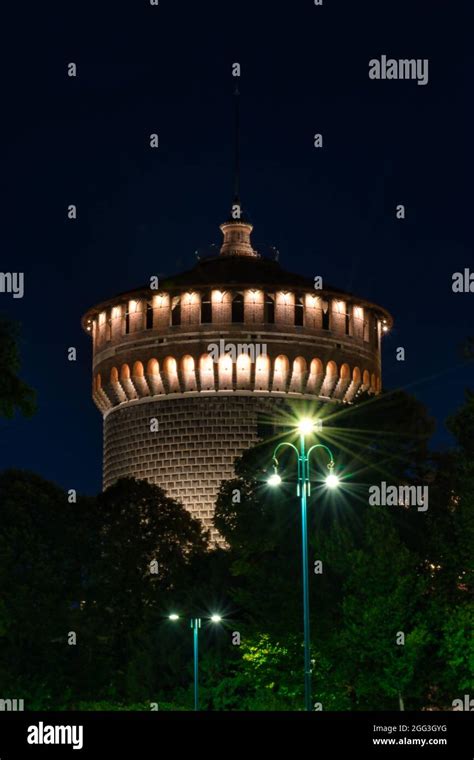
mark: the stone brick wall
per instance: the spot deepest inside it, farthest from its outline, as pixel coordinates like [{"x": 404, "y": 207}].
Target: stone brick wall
[{"x": 193, "y": 450}]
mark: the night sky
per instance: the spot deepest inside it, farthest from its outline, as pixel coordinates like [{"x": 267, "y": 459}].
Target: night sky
[{"x": 330, "y": 212}]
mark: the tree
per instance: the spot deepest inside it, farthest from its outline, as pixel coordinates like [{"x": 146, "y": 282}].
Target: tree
[
  {"x": 85, "y": 587},
  {"x": 14, "y": 393},
  {"x": 39, "y": 582},
  {"x": 144, "y": 546},
  {"x": 382, "y": 634}
]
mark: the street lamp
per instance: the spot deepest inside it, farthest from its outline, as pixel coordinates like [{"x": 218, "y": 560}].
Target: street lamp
[
  {"x": 274, "y": 480},
  {"x": 195, "y": 625},
  {"x": 305, "y": 427},
  {"x": 332, "y": 481}
]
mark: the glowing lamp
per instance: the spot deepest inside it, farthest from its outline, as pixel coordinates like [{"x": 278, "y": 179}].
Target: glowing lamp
[
  {"x": 305, "y": 426},
  {"x": 332, "y": 481}
]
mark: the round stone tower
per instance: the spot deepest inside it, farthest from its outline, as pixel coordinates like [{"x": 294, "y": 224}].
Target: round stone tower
[{"x": 181, "y": 372}]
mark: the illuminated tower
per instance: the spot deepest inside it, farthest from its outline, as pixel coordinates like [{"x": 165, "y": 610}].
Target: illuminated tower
[{"x": 177, "y": 414}]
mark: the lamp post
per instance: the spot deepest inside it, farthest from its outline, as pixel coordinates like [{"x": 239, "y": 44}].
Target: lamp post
[
  {"x": 195, "y": 626},
  {"x": 305, "y": 427}
]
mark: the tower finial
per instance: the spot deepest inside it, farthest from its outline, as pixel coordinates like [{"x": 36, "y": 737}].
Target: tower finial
[
  {"x": 237, "y": 229},
  {"x": 237, "y": 146}
]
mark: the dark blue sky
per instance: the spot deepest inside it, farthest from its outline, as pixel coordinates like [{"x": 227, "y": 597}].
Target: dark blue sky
[{"x": 143, "y": 69}]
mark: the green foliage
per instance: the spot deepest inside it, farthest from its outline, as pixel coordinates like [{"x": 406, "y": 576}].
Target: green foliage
[
  {"x": 14, "y": 393},
  {"x": 104, "y": 706},
  {"x": 457, "y": 648},
  {"x": 461, "y": 425},
  {"x": 382, "y": 600},
  {"x": 85, "y": 568},
  {"x": 266, "y": 676},
  {"x": 39, "y": 581}
]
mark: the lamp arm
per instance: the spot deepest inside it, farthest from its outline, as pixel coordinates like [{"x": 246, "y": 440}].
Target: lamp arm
[
  {"x": 284, "y": 443},
  {"x": 298, "y": 459},
  {"x": 328, "y": 451}
]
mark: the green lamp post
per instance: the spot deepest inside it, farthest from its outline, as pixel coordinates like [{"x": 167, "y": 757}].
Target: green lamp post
[
  {"x": 195, "y": 626},
  {"x": 305, "y": 427}
]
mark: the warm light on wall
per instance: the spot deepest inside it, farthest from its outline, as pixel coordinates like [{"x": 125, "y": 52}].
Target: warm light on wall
[
  {"x": 170, "y": 365},
  {"x": 116, "y": 312},
  {"x": 206, "y": 364},
  {"x": 188, "y": 364},
  {"x": 255, "y": 296},
  {"x": 283, "y": 297},
  {"x": 243, "y": 362},
  {"x": 160, "y": 300},
  {"x": 132, "y": 307},
  {"x": 217, "y": 296},
  {"x": 299, "y": 365},
  {"x": 262, "y": 364},
  {"x": 358, "y": 312},
  {"x": 316, "y": 367},
  {"x": 101, "y": 317}
]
